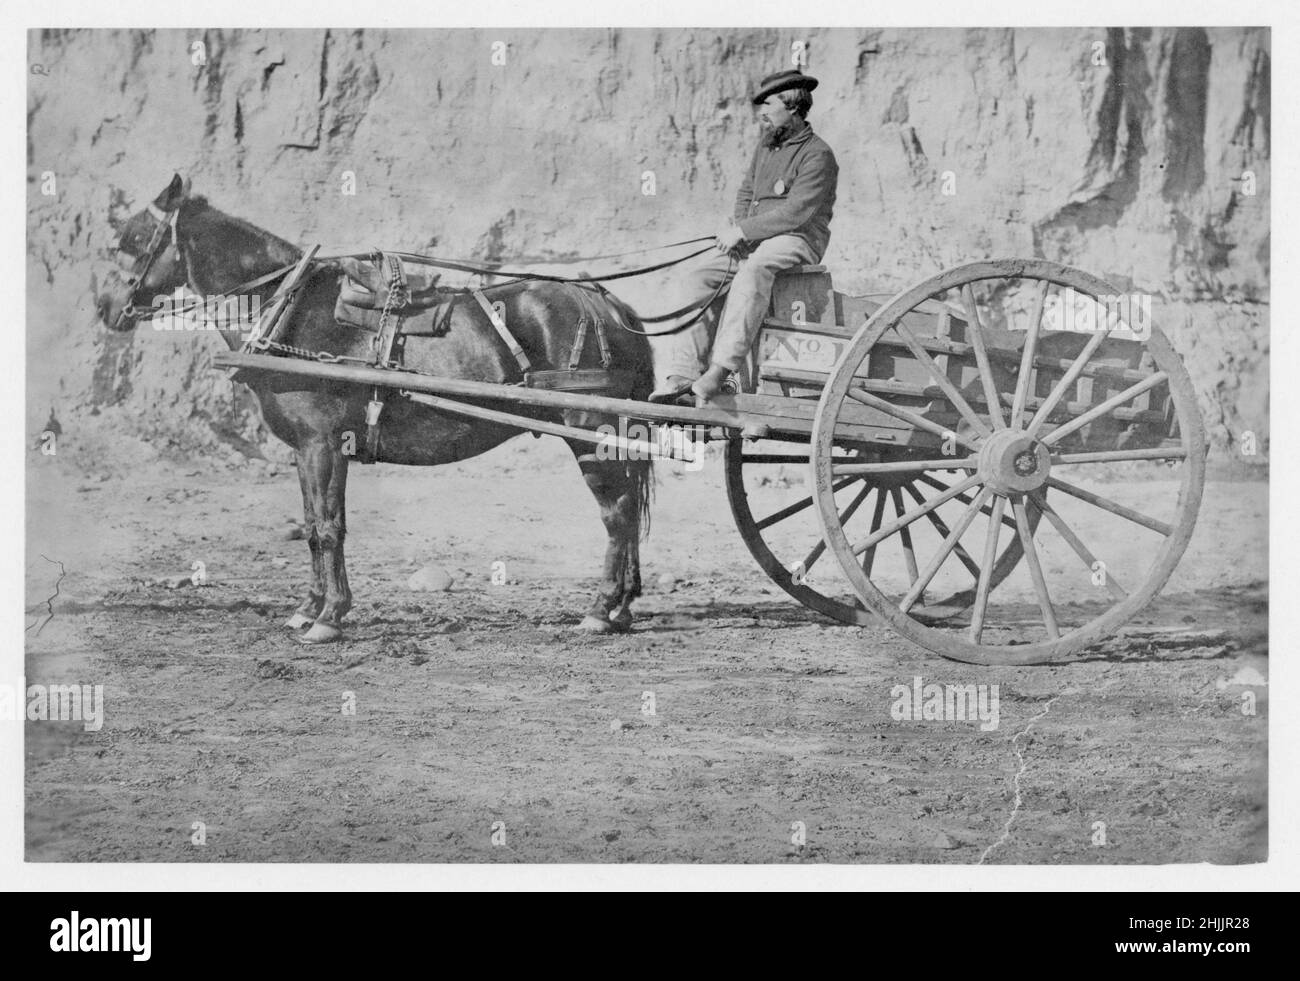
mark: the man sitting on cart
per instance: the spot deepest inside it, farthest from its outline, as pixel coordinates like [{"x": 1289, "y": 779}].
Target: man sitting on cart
[{"x": 782, "y": 219}]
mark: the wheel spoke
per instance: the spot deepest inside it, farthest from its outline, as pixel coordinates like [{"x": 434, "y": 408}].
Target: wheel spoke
[
  {"x": 1027, "y": 355},
  {"x": 1080, "y": 549},
  {"x": 845, "y": 515},
  {"x": 986, "y": 573},
  {"x": 946, "y": 549},
  {"x": 907, "y": 415},
  {"x": 1069, "y": 378},
  {"x": 903, "y": 466},
  {"x": 1035, "y": 570},
  {"x": 904, "y": 520},
  {"x": 1099, "y": 410},
  {"x": 964, "y": 498},
  {"x": 1115, "y": 456},
  {"x": 1108, "y": 505},
  {"x": 942, "y": 528},
  {"x": 976, "y": 339},
  {"x": 905, "y": 534},
  {"x": 797, "y": 506},
  {"x": 869, "y": 556},
  {"x": 769, "y": 547},
  {"x": 941, "y": 379}
]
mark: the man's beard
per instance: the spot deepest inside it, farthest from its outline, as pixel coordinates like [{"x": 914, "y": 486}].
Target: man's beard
[{"x": 773, "y": 135}]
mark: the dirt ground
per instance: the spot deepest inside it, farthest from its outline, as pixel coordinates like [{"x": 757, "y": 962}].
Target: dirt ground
[{"x": 487, "y": 730}]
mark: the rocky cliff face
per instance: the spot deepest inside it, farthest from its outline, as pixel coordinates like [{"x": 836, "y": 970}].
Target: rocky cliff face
[{"x": 1141, "y": 155}]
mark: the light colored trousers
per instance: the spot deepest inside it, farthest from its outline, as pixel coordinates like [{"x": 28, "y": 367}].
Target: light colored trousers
[{"x": 687, "y": 353}]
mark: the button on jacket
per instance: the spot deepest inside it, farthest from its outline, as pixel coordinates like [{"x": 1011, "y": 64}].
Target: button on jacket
[{"x": 789, "y": 190}]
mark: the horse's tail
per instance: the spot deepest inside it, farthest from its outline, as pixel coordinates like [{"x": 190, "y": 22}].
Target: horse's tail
[{"x": 642, "y": 473}]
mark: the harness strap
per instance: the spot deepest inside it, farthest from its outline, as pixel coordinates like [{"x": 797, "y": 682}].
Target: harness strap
[
  {"x": 390, "y": 318},
  {"x": 592, "y": 312},
  {"x": 269, "y": 326},
  {"x": 165, "y": 220},
  {"x": 579, "y": 342},
  {"x": 386, "y": 340},
  {"x": 603, "y": 343},
  {"x": 499, "y": 323}
]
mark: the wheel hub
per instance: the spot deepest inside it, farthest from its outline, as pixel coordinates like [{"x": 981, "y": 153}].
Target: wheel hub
[
  {"x": 1026, "y": 463},
  {"x": 1012, "y": 462}
]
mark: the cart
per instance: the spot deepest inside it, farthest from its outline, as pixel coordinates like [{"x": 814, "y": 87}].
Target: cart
[{"x": 944, "y": 460}]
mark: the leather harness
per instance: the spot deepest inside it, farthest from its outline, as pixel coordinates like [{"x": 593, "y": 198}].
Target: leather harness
[{"x": 387, "y": 348}]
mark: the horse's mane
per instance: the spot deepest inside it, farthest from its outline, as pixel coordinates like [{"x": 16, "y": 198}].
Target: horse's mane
[{"x": 269, "y": 239}]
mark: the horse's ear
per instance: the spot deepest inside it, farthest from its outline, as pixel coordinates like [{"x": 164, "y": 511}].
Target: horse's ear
[{"x": 174, "y": 193}]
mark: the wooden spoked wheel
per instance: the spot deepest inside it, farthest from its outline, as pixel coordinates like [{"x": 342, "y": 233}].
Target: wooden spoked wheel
[
  {"x": 769, "y": 487},
  {"x": 1034, "y": 378}
]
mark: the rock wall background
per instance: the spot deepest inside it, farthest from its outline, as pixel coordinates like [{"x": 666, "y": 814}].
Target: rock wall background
[{"x": 1121, "y": 151}]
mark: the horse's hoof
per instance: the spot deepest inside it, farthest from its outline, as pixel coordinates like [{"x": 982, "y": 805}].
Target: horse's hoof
[
  {"x": 321, "y": 633},
  {"x": 592, "y": 624},
  {"x": 621, "y": 622},
  {"x": 298, "y": 621}
]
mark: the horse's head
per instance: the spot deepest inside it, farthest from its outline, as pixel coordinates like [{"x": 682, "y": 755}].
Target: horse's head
[{"x": 149, "y": 253}]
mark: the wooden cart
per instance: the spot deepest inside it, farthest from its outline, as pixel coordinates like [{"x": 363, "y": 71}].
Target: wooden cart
[{"x": 944, "y": 460}]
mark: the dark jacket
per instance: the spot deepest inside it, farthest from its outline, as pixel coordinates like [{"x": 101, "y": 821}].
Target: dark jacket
[{"x": 789, "y": 190}]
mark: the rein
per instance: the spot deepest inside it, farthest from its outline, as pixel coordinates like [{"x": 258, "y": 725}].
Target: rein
[
  {"x": 723, "y": 287},
  {"x": 239, "y": 290},
  {"x": 168, "y": 220},
  {"x": 518, "y": 277}
]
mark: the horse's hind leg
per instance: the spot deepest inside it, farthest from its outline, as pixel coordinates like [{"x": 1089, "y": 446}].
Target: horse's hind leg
[
  {"x": 310, "y": 609},
  {"x": 620, "y": 488},
  {"x": 621, "y": 618},
  {"x": 325, "y": 471}
]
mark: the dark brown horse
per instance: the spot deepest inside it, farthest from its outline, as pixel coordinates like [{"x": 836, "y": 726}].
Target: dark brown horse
[{"x": 182, "y": 240}]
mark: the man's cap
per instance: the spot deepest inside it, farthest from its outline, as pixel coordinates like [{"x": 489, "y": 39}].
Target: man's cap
[{"x": 781, "y": 81}]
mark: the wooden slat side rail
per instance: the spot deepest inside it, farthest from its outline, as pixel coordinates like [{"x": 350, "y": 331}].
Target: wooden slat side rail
[
  {"x": 960, "y": 349},
  {"x": 1061, "y": 414},
  {"x": 826, "y": 330}
]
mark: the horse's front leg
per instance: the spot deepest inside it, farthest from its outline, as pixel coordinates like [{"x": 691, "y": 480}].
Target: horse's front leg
[
  {"x": 307, "y": 613},
  {"x": 326, "y": 476}
]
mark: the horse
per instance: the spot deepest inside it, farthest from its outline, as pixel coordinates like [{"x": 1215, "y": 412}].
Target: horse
[{"x": 182, "y": 240}]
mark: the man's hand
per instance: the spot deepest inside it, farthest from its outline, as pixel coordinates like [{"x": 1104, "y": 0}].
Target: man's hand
[{"x": 729, "y": 238}]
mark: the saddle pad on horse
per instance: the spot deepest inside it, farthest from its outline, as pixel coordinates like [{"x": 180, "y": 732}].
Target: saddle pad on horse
[
  {"x": 391, "y": 297},
  {"x": 370, "y": 284},
  {"x": 430, "y": 322}
]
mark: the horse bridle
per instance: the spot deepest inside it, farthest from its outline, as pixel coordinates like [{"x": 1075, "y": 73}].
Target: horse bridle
[{"x": 163, "y": 222}]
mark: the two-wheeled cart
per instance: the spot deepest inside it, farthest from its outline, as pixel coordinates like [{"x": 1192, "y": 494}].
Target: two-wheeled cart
[{"x": 1003, "y": 462}]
